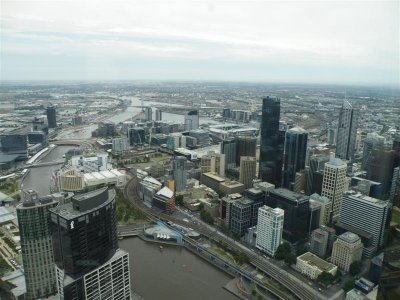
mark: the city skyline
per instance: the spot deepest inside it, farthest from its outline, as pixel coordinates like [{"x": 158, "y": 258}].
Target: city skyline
[{"x": 351, "y": 43}]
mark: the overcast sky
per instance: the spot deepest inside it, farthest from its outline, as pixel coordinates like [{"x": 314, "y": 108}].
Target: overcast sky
[{"x": 270, "y": 41}]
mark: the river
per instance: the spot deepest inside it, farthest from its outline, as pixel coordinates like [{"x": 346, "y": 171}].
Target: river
[
  {"x": 155, "y": 274},
  {"x": 86, "y": 132}
]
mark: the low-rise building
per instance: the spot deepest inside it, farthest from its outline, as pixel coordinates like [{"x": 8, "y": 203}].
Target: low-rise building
[
  {"x": 312, "y": 266},
  {"x": 164, "y": 199}
]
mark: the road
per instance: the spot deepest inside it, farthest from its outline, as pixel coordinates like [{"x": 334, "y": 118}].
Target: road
[{"x": 295, "y": 285}]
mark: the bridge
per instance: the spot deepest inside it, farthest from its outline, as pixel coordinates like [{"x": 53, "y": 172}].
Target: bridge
[
  {"x": 130, "y": 233},
  {"x": 45, "y": 164},
  {"x": 75, "y": 142},
  {"x": 292, "y": 283}
]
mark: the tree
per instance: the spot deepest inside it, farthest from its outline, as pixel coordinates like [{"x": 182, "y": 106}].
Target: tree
[
  {"x": 290, "y": 259},
  {"x": 301, "y": 249},
  {"x": 355, "y": 267},
  {"x": 179, "y": 199},
  {"x": 348, "y": 285},
  {"x": 206, "y": 217},
  {"x": 325, "y": 278},
  {"x": 283, "y": 250}
]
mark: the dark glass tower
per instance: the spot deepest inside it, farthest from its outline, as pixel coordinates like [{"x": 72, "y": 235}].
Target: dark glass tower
[
  {"x": 347, "y": 131},
  {"x": 228, "y": 147},
  {"x": 294, "y": 158},
  {"x": 271, "y": 148},
  {"x": 51, "y": 116},
  {"x": 86, "y": 248},
  {"x": 246, "y": 146}
]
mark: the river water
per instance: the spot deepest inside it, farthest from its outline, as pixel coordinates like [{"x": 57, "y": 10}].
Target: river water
[
  {"x": 131, "y": 111},
  {"x": 155, "y": 274}
]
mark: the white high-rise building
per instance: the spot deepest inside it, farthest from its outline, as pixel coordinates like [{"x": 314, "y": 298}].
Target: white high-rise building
[
  {"x": 367, "y": 217},
  {"x": 269, "y": 229},
  {"x": 334, "y": 184},
  {"x": 120, "y": 146},
  {"x": 97, "y": 163},
  {"x": 192, "y": 120}
]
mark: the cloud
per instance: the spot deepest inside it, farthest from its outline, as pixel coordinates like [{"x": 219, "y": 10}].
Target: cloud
[{"x": 358, "y": 34}]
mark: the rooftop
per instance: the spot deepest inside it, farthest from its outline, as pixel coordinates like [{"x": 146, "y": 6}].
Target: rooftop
[
  {"x": 314, "y": 260},
  {"x": 166, "y": 192},
  {"x": 290, "y": 195},
  {"x": 68, "y": 211},
  {"x": 349, "y": 237}
]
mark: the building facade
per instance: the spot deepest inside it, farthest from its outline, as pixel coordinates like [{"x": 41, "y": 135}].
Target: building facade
[
  {"x": 367, "y": 217},
  {"x": 120, "y": 146},
  {"x": 312, "y": 266},
  {"x": 294, "y": 155},
  {"x": 179, "y": 167},
  {"x": 271, "y": 147},
  {"x": 51, "y": 116},
  {"x": 36, "y": 246},
  {"x": 247, "y": 174},
  {"x": 347, "y": 131},
  {"x": 192, "y": 120},
  {"x": 228, "y": 148},
  {"x": 86, "y": 248},
  {"x": 269, "y": 229},
  {"x": 213, "y": 162},
  {"x": 347, "y": 249},
  {"x": 334, "y": 184}
]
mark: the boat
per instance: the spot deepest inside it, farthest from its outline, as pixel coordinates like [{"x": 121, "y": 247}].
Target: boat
[{"x": 161, "y": 247}]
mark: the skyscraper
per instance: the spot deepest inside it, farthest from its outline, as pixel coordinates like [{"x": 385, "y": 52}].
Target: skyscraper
[
  {"x": 247, "y": 172},
  {"x": 334, "y": 184},
  {"x": 148, "y": 114},
  {"x": 373, "y": 141},
  {"x": 294, "y": 157},
  {"x": 51, "y": 116},
  {"x": 315, "y": 173},
  {"x": 269, "y": 229},
  {"x": 179, "y": 166},
  {"x": 271, "y": 148},
  {"x": 192, "y": 120},
  {"x": 36, "y": 245},
  {"x": 246, "y": 146},
  {"x": 365, "y": 216},
  {"x": 347, "y": 131},
  {"x": 228, "y": 147},
  {"x": 89, "y": 264},
  {"x": 158, "y": 114}
]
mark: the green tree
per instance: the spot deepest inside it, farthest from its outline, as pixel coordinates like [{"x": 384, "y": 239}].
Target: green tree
[
  {"x": 283, "y": 250},
  {"x": 301, "y": 249},
  {"x": 348, "y": 284},
  {"x": 325, "y": 278},
  {"x": 179, "y": 200},
  {"x": 355, "y": 267},
  {"x": 206, "y": 217},
  {"x": 290, "y": 259}
]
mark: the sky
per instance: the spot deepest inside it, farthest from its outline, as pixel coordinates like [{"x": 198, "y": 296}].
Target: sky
[{"x": 339, "y": 42}]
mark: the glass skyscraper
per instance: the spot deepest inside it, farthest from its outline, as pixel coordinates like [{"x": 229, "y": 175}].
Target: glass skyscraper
[
  {"x": 86, "y": 251},
  {"x": 347, "y": 131},
  {"x": 51, "y": 116},
  {"x": 271, "y": 148},
  {"x": 294, "y": 158},
  {"x": 36, "y": 245}
]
